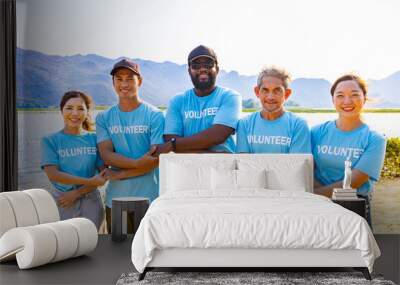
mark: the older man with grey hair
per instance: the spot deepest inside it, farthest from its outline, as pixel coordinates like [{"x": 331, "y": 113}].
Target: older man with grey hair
[{"x": 273, "y": 129}]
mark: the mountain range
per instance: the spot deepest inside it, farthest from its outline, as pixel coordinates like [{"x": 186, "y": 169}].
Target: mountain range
[{"x": 42, "y": 80}]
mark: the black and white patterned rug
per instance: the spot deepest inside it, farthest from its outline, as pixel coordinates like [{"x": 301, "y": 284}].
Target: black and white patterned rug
[{"x": 243, "y": 278}]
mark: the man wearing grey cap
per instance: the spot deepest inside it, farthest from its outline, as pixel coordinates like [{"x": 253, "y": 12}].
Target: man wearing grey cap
[
  {"x": 125, "y": 135},
  {"x": 204, "y": 118}
]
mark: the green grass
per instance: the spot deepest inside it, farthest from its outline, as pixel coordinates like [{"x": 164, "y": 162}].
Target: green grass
[
  {"x": 101, "y": 107},
  {"x": 391, "y": 167},
  {"x": 384, "y": 110}
]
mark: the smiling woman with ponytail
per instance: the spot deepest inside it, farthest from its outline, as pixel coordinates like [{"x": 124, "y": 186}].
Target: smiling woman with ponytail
[
  {"x": 72, "y": 163},
  {"x": 347, "y": 138}
]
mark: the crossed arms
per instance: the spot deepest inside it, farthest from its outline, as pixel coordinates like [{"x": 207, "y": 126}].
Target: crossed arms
[
  {"x": 200, "y": 142},
  {"x": 128, "y": 167}
]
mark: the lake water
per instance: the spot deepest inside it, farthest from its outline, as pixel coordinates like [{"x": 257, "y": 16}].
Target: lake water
[{"x": 32, "y": 126}]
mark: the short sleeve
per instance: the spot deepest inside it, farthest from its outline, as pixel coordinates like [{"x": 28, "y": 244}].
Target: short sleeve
[
  {"x": 101, "y": 129},
  {"x": 242, "y": 144},
  {"x": 173, "y": 118},
  {"x": 315, "y": 136},
  {"x": 229, "y": 112},
  {"x": 371, "y": 160},
  {"x": 301, "y": 140},
  {"x": 49, "y": 153},
  {"x": 157, "y": 128},
  {"x": 99, "y": 161}
]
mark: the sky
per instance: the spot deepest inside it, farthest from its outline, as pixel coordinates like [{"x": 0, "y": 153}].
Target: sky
[{"x": 309, "y": 38}]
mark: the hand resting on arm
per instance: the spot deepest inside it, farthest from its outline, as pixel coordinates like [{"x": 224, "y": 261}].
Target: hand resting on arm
[
  {"x": 88, "y": 184},
  {"x": 358, "y": 178}
]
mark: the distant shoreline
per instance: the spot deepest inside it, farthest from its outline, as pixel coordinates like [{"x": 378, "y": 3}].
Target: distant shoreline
[
  {"x": 323, "y": 110},
  {"x": 294, "y": 110}
]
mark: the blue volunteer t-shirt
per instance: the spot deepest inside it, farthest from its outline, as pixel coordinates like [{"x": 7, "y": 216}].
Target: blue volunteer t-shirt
[
  {"x": 73, "y": 154},
  {"x": 287, "y": 134},
  {"x": 332, "y": 146},
  {"x": 132, "y": 134},
  {"x": 189, "y": 114}
]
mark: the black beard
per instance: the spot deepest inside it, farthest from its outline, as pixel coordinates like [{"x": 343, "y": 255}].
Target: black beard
[{"x": 203, "y": 85}]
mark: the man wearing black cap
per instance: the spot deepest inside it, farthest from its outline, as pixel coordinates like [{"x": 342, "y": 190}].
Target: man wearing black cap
[
  {"x": 202, "y": 119},
  {"x": 125, "y": 135}
]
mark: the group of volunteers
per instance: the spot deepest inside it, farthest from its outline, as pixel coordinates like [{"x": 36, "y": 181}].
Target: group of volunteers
[{"x": 129, "y": 136}]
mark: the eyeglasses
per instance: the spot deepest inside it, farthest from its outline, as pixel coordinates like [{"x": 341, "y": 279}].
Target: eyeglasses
[{"x": 198, "y": 66}]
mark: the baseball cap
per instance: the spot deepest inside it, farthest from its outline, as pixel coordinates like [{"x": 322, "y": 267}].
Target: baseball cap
[
  {"x": 202, "y": 51},
  {"x": 126, "y": 63}
]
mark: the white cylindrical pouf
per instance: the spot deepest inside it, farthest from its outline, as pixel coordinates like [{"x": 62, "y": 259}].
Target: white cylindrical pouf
[
  {"x": 45, "y": 205},
  {"x": 23, "y": 207},
  {"x": 7, "y": 220},
  {"x": 34, "y": 246},
  {"x": 87, "y": 234},
  {"x": 67, "y": 240}
]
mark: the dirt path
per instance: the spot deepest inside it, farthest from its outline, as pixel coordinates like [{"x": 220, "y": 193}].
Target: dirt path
[{"x": 386, "y": 207}]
